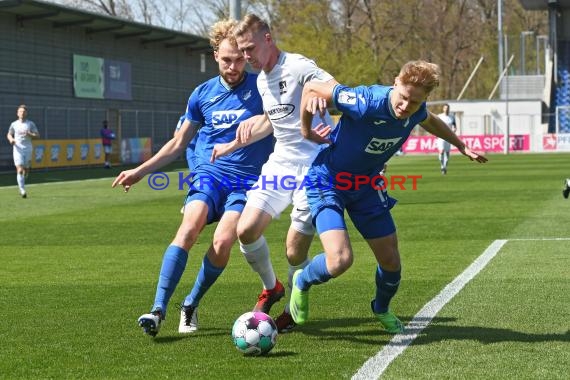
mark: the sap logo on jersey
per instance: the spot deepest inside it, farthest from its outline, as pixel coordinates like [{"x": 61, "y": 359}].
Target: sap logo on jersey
[
  {"x": 280, "y": 111},
  {"x": 379, "y": 146},
  {"x": 225, "y": 119}
]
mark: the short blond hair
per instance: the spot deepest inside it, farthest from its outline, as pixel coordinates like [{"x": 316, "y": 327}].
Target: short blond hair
[
  {"x": 220, "y": 31},
  {"x": 420, "y": 74},
  {"x": 251, "y": 23}
]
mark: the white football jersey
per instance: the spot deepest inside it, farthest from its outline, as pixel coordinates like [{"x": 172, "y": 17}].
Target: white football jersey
[
  {"x": 281, "y": 90},
  {"x": 19, "y": 130},
  {"x": 446, "y": 119}
]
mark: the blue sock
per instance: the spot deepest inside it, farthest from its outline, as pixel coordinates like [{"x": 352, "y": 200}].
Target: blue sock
[
  {"x": 204, "y": 280},
  {"x": 387, "y": 284},
  {"x": 173, "y": 265},
  {"x": 314, "y": 273}
]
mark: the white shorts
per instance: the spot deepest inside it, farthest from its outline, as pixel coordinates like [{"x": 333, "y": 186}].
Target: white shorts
[
  {"x": 279, "y": 185},
  {"x": 108, "y": 149},
  {"x": 22, "y": 156},
  {"x": 443, "y": 145}
]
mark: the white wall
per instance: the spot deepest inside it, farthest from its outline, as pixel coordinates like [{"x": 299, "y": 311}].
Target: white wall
[{"x": 489, "y": 117}]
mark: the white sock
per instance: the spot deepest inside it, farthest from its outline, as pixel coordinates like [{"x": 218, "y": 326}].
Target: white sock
[
  {"x": 21, "y": 182},
  {"x": 257, "y": 255},
  {"x": 445, "y": 159},
  {"x": 292, "y": 269}
]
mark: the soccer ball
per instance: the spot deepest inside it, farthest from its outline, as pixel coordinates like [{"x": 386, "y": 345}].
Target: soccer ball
[{"x": 254, "y": 333}]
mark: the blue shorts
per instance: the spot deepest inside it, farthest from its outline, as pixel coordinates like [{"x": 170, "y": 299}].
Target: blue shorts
[
  {"x": 219, "y": 197},
  {"x": 369, "y": 209}
]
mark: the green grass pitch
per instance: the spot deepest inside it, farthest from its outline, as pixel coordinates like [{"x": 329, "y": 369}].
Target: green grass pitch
[{"x": 80, "y": 263}]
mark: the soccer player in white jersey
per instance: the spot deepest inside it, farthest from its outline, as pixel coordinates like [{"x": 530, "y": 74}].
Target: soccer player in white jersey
[
  {"x": 280, "y": 83},
  {"x": 443, "y": 146},
  {"x": 217, "y": 190},
  {"x": 20, "y": 136}
]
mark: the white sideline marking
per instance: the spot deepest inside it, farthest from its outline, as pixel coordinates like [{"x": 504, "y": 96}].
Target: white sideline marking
[
  {"x": 376, "y": 365},
  {"x": 540, "y": 239}
]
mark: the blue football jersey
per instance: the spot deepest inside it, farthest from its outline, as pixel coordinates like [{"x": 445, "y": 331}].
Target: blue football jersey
[
  {"x": 367, "y": 134},
  {"x": 191, "y": 144},
  {"x": 219, "y": 109}
]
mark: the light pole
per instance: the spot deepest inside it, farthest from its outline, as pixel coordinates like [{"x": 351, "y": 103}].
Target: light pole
[
  {"x": 500, "y": 34},
  {"x": 523, "y": 43},
  {"x": 235, "y": 9},
  {"x": 544, "y": 40}
]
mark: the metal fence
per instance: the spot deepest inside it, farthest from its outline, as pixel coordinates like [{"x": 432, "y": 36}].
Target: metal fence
[{"x": 80, "y": 123}]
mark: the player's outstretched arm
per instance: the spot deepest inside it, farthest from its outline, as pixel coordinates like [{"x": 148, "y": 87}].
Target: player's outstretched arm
[
  {"x": 437, "y": 127},
  {"x": 168, "y": 153},
  {"x": 127, "y": 179},
  {"x": 472, "y": 155}
]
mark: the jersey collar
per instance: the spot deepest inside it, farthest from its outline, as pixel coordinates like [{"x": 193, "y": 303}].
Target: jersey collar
[
  {"x": 392, "y": 113},
  {"x": 228, "y": 87}
]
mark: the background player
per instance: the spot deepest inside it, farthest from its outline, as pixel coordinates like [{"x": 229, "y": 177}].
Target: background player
[
  {"x": 444, "y": 146},
  {"x": 20, "y": 135}
]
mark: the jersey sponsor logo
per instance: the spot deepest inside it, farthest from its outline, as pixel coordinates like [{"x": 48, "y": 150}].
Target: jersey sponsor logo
[
  {"x": 379, "y": 146},
  {"x": 214, "y": 98},
  {"x": 225, "y": 119},
  {"x": 246, "y": 95},
  {"x": 346, "y": 97},
  {"x": 282, "y": 87},
  {"x": 280, "y": 111}
]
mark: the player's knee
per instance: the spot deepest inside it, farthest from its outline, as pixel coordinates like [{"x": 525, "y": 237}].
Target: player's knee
[
  {"x": 391, "y": 262},
  {"x": 223, "y": 245},
  {"x": 339, "y": 263},
  {"x": 219, "y": 257},
  {"x": 247, "y": 233},
  {"x": 296, "y": 257},
  {"x": 186, "y": 236}
]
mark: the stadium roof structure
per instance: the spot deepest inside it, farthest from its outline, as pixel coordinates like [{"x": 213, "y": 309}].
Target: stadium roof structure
[
  {"x": 61, "y": 16},
  {"x": 544, "y": 4}
]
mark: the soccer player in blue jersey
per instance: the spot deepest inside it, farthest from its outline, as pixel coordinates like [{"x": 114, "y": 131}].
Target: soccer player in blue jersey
[
  {"x": 375, "y": 122},
  {"x": 189, "y": 149},
  {"x": 191, "y": 145},
  {"x": 217, "y": 191}
]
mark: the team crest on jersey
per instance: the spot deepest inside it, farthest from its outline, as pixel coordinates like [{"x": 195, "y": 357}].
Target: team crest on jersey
[
  {"x": 347, "y": 97},
  {"x": 246, "y": 95},
  {"x": 379, "y": 146},
  {"x": 279, "y": 111},
  {"x": 225, "y": 119},
  {"x": 282, "y": 87}
]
